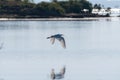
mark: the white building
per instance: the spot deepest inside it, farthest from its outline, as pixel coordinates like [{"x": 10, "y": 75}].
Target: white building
[
  {"x": 100, "y": 12},
  {"x": 95, "y": 11},
  {"x": 112, "y": 12},
  {"x": 115, "y": 12}
]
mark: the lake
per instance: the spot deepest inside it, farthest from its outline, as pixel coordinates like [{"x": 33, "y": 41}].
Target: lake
[{"x": 92, "y": 49}]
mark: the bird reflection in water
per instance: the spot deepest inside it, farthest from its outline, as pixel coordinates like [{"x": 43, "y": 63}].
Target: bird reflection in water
[{"x": 59, "y": 75}]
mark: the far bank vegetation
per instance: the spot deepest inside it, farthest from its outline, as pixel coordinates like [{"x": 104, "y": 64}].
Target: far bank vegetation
[{"x": 54, "y": 8}]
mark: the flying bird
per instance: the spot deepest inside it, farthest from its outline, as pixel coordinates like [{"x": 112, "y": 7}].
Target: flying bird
[{"x": 59, "y": 38}]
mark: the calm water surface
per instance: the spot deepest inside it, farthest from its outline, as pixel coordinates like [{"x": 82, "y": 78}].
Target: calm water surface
[{"x": 92, "y": 53}]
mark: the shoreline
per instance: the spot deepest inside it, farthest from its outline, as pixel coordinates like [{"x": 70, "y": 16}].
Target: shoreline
[
  {"x": 53, "y": 19},
  {"x": 58, "y": 19}
]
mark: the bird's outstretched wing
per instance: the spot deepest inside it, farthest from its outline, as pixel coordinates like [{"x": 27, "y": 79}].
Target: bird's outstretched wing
[
  {"x": 52, "y": 40},
  {"x": 62, "y": 41},
  {"x": 59, "y": 38}
]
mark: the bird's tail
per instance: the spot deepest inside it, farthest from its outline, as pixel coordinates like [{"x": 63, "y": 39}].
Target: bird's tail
[{"x": 48, "y": 37}]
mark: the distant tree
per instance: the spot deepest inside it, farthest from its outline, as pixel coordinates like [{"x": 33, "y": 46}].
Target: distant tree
[
  {"x": 28, "y": 1},
  {"x": 71, "y": 6},
  {"x": 54, "y": 0},
  {"x": 3, "y": 0},
  {"x": 47, "y": 9},
  {"x": 97, "y": 6},
  {"x": 55, "y": 9},
  {"x": 108, "y": 9},
  {"x": 27, "y": 9},
  {"x": 76, "y": 6},
  {"x": 18, "y": 0},
  {"x": 86, "y": 5}
]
